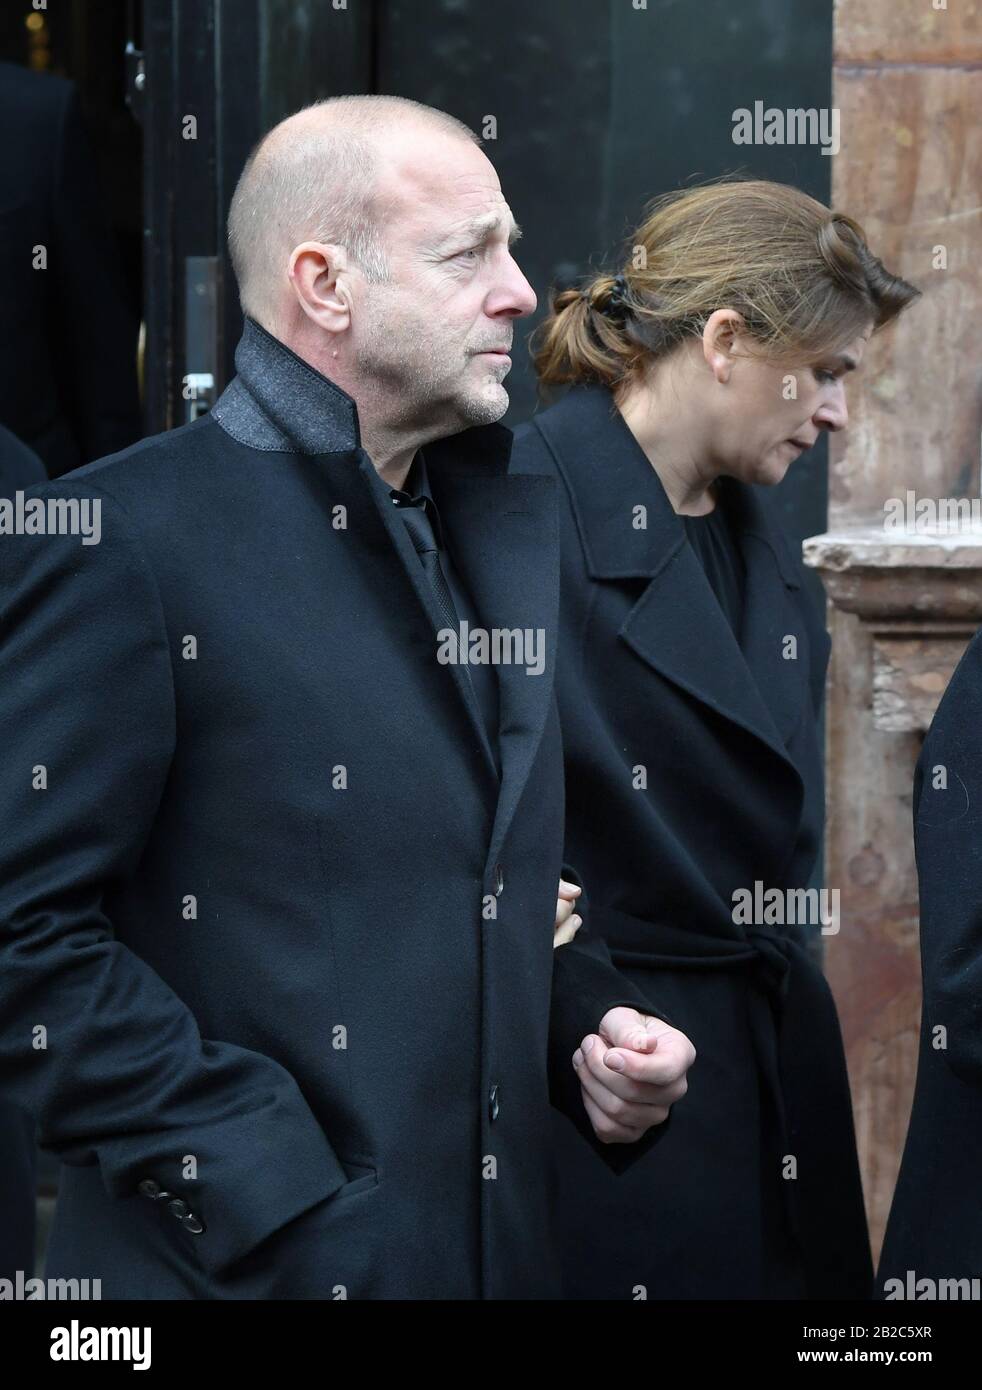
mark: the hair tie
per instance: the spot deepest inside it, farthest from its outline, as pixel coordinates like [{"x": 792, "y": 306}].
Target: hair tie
[{"x": 617, "y": 307}]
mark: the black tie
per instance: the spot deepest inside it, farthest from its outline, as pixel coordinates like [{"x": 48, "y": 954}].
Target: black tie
[
  {"x": 483, "y": 685},
  {"x": 423, "y": 538}
]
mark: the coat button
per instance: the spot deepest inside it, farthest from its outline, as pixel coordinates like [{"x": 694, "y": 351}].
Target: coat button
[
  {"x": 192, "y": 1223},
  {"x": 178, "y": 1207},
  {"x": 149, "y": 1188},
  {"x": 493, "y": 1102},
  {"x": 499, "y": 880}
]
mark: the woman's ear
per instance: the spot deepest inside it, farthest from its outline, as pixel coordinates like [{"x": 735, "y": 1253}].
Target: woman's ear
[{"x": 719, "y": 340}]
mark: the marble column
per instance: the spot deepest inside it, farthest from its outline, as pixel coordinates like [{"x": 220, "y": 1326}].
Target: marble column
[{"x": 904, "y": 602}]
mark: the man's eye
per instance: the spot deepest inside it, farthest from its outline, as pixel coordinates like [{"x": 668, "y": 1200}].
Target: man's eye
[
  {"x": 471, "y": 251},
  {"x": 825, "y": 377}
]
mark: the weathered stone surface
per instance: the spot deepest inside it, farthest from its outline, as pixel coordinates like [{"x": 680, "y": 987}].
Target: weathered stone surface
[
  {"x": 907, "y": 31},
  {"x": 910, "y": 170},
  {"x": 905, "y": 606},
  {"x": 910, "y": 675},
  {"x": 908, "y": 84},
  {"x": 872, "y": 964}
]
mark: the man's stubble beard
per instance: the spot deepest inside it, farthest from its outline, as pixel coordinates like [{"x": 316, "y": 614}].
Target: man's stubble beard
[{"x": 424, "y": 387}]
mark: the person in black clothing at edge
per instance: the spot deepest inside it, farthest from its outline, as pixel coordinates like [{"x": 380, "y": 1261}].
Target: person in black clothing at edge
[
  {"x": 933, "y": 1243},
  {"x": 20, "y": 468},
  {"x": 691, "y": 671},
  {"x": 68, "y": 377},
  {"x": 68, "y": 390}
]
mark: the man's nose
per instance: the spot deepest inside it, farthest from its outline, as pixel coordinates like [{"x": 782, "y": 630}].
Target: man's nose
[
  {"x": 514, "y": 295},
  {"x": 833, "y": 414}
]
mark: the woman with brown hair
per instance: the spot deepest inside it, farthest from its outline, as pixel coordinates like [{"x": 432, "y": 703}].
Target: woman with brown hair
[{"x": 690, "y": 678}]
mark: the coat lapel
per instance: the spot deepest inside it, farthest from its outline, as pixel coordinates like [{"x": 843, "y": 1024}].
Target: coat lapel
[
  {"x": 774, "y": 635},
  {"x": 503, "y": 531},
  {"x": 629, "y": 530}
]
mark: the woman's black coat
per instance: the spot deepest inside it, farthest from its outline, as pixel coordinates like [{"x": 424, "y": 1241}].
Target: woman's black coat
[
  {"x": 694, "y": 769},
  {"x": 935, "y": 1227}
]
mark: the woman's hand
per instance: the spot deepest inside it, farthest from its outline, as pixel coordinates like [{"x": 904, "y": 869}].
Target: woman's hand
[{"x": 568, "y": 922}]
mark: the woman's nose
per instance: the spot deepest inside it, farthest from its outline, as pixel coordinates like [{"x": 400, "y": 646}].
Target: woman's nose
[{"x": 833, "y": 414}]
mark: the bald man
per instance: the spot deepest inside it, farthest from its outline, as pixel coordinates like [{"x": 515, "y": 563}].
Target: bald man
[{"x": 282, "y": 787}]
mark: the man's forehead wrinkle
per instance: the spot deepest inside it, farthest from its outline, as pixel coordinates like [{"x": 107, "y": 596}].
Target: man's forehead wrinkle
[
  {"x": 402, "y": 175},
  {"x": 440, "y": 161},
  {"x": 482, "y": 225},
  {"x": 460, "y": 199}
]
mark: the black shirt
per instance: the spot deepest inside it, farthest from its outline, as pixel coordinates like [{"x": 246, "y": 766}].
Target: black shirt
[
  {"x": 416, "y": 493},
  {"x": 714, "y": 541}
]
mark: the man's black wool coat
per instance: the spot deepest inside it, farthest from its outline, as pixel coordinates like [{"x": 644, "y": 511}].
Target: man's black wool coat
[
  {"x": 694, "y": 770},
  {"x": 935, "y": 1227},
  {"x": 277, "y": 952}
]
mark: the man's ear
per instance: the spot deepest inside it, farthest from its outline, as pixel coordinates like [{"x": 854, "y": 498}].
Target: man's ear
[
  {"x": 719, "y": 338},
  {"x": 319, "y": 275}
]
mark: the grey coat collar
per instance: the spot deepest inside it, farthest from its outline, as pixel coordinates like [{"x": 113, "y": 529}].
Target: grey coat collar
[{"x": 279, "y": 403}]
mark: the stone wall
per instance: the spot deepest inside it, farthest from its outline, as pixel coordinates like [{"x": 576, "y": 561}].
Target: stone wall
[{"x": 907, "y": 80}]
